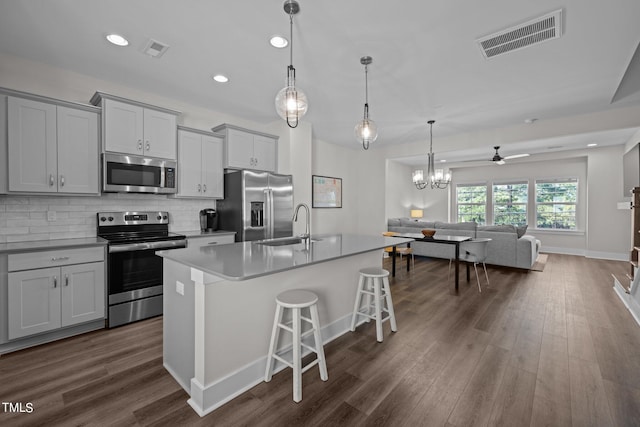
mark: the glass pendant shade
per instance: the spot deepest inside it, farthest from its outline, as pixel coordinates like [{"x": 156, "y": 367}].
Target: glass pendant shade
[
  {"x": 291, "y": 103},
  {"x": 366, "y": 131}
]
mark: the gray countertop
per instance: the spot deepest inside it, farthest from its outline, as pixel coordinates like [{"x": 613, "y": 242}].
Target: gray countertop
[
  {"x": 246, "y": 260},
  {"x": 199, "y": 233},
  {"x": 49, "y": 245}
]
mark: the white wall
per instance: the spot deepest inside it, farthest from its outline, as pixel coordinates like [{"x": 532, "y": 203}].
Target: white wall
[
  {"x": 566, "y": 242},
  {"x": 609, "y": 228},
  {"x": 402, "y": 197},
  {"x": 338, "y": 162},
  {"x": 24, "y": 217},
  {"x": 603, "y": 229},
  {"x": 373, "y": 187}
]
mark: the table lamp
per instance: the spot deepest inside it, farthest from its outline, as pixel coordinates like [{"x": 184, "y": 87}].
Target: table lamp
[{"x": 416, "y": 213}]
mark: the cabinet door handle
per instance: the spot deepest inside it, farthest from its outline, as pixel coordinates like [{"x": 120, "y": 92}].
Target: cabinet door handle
[
  {"x": 199, "y": 188},
  {"x": 60, "y": 258},
  {"x": 61, "y": 180},
  {"x": 139, "y": 144},
  {"x": 66, "y": 280},
  {"x": 55, "y": 281},
  {"x": 148, "y": 146},
  {"x": 51, "y": 181},
  {"x": 204, "y": 188}
]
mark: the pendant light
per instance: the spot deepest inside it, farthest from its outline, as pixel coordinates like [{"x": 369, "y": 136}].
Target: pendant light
[
  {"x": 366, "y": 130},
  {"x": 436, "y": 178},
  {"x": 291, "y": 102}
]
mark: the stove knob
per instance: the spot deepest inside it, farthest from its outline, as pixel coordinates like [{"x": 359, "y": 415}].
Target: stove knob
[
  {"x": 164, "y": 217},
  {"x": 103, "y": 219},
  {"x": 110, "y": 218},
  {"x": 158, "y": 217}
]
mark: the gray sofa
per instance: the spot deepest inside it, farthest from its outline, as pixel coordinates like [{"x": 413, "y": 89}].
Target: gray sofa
[{"x": 509, "y": 246}]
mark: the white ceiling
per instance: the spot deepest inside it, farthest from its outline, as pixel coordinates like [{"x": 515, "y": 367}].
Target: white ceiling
[{"x": 426, "y": 63}]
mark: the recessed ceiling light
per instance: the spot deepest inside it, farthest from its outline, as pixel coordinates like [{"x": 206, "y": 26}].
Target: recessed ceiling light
[
  {"x": 443, "y": 161},
  {"x": 593, "y": 144},
  {"x": 278, "y": 42},
  {"x": 220, "y": 78},
  {"x": 530, "y": 121},
  {"x": 117, "y": 39}
]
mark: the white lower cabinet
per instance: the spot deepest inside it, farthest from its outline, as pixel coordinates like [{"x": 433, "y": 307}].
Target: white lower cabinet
[{"x": 45, "y": 299}]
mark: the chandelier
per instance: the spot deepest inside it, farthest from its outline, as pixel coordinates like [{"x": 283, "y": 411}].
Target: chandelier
[
  {"x": 366, "y": 129},
  {"x": 291, "y": 102},
  {"x": 436, "y": 178}
]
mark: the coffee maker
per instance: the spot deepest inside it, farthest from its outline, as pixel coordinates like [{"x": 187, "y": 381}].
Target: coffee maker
[{"x": 208, "y": 220}]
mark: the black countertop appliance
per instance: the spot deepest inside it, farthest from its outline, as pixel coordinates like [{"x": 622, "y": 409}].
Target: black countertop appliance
[{"x": 208, "y": 220}]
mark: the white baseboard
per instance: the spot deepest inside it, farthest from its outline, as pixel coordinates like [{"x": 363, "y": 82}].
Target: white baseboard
[
  {"x": 563, "y": 251},
  {"x": 614, "y": 256},
  {"x": 205, "y": 399}
]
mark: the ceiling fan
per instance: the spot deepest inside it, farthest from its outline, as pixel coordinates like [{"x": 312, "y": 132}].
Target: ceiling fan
[{"x": 499, "y": 160}]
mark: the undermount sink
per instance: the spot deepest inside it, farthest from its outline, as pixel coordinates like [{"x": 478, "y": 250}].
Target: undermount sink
[{"x": 283, "y": 241}]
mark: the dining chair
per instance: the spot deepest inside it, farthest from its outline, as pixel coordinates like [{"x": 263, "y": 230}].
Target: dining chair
[
  {"x": 474, "y": 251},
  {"x": 401, "y": 251}
]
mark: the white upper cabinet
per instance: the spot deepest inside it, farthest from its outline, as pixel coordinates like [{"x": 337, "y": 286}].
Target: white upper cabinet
[
  {"x": 51, "y": 148},
  {"x": 123, "y": 127},
  {"x": 264, "y": 153},
  {"x": 247, "y": 149},
  {"x": 200, "y": 169},
  {"x": 130, "y": 127},
  {"x": 159, "y": 134},
  {"x": 78, "y": 158}
]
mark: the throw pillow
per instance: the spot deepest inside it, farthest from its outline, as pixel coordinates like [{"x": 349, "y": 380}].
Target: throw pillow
[
  {"x": 506, "y": 228},
  {"x": 521, "y": 230}
]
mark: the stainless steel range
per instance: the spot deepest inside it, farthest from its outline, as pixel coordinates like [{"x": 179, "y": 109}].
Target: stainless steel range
[{"x": 134, "y": 280}]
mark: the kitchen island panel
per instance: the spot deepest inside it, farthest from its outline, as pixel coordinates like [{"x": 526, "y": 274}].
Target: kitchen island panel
[{"x": 217, "y": 334}]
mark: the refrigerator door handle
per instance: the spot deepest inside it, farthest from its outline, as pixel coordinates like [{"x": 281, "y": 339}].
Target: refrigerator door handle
[
  {"x": 272, "y": 224},
  {"x": 268, "y": 213}
]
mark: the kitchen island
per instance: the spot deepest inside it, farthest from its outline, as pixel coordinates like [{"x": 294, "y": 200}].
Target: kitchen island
[{"x": 219, "y": 303}]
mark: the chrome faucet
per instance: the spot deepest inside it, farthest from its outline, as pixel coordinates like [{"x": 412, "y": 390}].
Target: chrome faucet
[{"x": 307, "y": 235}]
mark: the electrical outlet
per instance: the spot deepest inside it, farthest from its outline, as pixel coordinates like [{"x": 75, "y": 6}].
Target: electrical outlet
[
  {"x": 180, "y": 287},
  {"x": 51, "y": 215}
]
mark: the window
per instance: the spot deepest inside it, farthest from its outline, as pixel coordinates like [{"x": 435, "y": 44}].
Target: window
[
  {"x": 472, "y": 203},
  {"x": 510, "y": 203},
  {"x": 556, "y": 202}
]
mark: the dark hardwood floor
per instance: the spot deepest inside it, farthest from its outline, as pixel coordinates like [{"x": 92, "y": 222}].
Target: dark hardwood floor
[{"x": 552, "y": 348}]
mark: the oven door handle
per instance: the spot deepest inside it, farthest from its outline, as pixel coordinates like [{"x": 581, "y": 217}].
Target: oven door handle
[{"x": 130, "y": 247}]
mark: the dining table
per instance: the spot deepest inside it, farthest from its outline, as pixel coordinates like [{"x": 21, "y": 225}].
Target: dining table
[{"x": 436, "y": 238}]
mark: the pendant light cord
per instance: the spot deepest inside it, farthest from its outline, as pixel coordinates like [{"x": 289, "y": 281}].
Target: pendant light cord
[
  {"x": 366, "y": 92},
  {"x": 431, "y": 137},
  {"x": 291, "y": 37}
]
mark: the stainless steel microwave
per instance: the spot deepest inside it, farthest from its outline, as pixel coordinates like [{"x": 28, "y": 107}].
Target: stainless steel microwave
[{"x": 135, "y": 174}]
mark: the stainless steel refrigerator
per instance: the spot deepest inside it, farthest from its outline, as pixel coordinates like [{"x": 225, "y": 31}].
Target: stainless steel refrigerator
[{"x": 256, "y": 205}]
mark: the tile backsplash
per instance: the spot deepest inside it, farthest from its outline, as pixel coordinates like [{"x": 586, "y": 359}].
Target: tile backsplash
[{"x": 27, "y": 218}]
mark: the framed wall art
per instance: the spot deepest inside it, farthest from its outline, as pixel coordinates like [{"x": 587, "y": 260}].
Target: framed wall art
[{"x": 326, "y": 192}]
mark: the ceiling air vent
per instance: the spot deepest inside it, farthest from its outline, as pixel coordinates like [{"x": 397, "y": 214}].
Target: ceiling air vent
[
  {"x": 536, "y": 31},
  {"x": 155, "y": 48}
]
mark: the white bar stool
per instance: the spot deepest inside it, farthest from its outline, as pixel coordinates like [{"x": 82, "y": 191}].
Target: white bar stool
[
  {"x": 374, "y": 283},
  {"x": 296, "y": 300}
]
